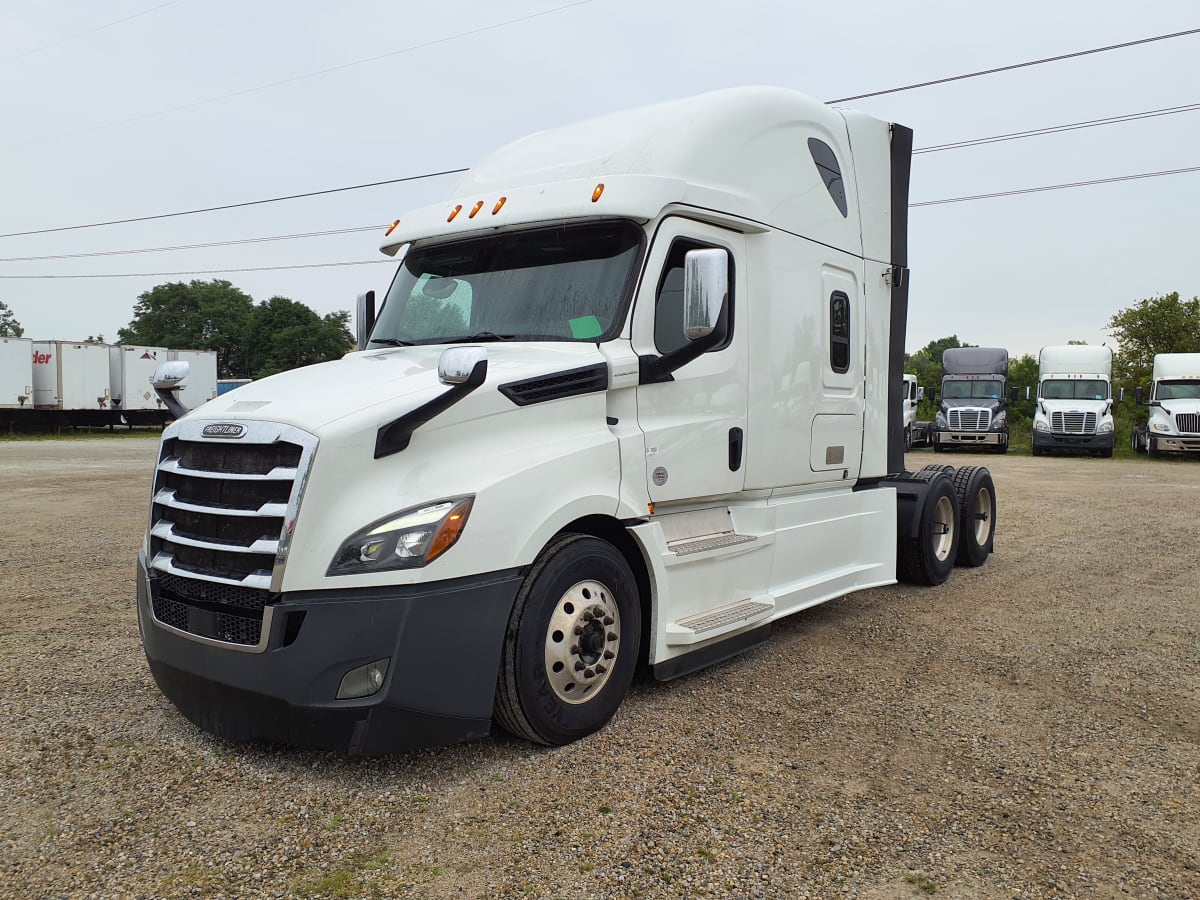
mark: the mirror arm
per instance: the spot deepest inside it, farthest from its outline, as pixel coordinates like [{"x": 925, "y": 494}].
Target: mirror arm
[{"x": 655, "y": 369}]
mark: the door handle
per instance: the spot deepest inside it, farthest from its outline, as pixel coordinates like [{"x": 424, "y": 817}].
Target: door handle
[{"x": 735, "y": 449}]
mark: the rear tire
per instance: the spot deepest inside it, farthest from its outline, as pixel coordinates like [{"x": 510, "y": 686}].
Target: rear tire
[
  {"x": 928, "y": 558},
  {"x": 976, "y": 495},
  {"x": 572, "y": 643}
]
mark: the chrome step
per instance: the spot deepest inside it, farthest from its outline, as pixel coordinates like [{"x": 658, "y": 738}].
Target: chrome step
[
  {"x": 710, "y": 623},
  {"x": 709, "y": 542}
]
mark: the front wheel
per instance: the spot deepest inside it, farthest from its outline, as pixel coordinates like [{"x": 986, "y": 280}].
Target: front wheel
[
  {"x": 1152, "y": 448},
  {"x": 572, "y": 643}
]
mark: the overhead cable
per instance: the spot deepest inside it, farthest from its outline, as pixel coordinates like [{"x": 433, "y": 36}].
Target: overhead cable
[
  {"x": 1055, "y": 187},
  {"x": 328, "y": 265},
  {"x": 1020, "y": 65},
  {"x": 82, "y": 34}
]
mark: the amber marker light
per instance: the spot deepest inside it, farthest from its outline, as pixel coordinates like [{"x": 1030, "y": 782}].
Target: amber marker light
[
  {"x": 499, "y": 205},
  {"x": 597, "y": 192},
  {"x": 476, "y": 208},
  {"x": 454, "y": 212},
  {"x": 448, "y": 531},
  {"x": 391, "y": 228}
]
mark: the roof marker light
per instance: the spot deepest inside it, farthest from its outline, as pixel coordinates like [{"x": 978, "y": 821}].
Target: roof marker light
[
  {"x": 597, "y": 192},
  {"x": 499, "y": 205},
  {"x": 454, "y": 212},
  {"x": 391, "y": 228},
  {"x": 476, "y": 208}
]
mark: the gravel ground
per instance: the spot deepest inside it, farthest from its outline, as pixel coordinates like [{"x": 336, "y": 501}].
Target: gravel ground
[{"x": 1029, "y": 729}]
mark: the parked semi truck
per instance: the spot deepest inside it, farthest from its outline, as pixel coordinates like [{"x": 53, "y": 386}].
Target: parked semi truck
[
  {"x": 915, "y": 433},
  {"x": 574, "y": 439},
  {"x": 1074, "y": 400},
  {"x": 1174, "y": 402},
  {"x": 973, "y": 405}
]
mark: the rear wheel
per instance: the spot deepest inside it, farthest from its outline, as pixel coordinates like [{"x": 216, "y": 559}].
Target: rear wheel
[
  {"x": 928, "y": 556},
  {"x": 572, "y": 643},
  {"x": 976, "y": 496}
]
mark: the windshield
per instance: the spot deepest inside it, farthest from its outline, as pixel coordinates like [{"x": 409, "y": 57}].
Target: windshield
[
  {"x": 1074, "y": 389},
  {"x": 568, "y": 283},
  {"x": 980, "y": 390},
  {"x": 1177, "y": 390}
]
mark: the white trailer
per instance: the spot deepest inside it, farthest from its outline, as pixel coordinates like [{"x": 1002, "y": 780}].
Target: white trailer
[
  {"x": 130, "y": 371},
  {"x": 634, "y": 395},
  {"x": 1174, "y": 401},
  {"x": 16, "y": 373},
  {"x": 201, "y": 384},
  {"x": 70, "y": 376},
  {"x": 1074, "y": 400}
]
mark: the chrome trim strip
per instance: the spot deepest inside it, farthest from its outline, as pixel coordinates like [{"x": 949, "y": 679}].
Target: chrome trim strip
[
  {"x": 165, "y": 530},
  {"x": 165, "y": 562},
  {"x": 166, "y": 497},
  {"x": 173, "y": 466}
]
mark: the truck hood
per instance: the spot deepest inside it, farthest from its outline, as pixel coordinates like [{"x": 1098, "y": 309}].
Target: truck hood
[
  {"x": 1096, "y": 406},
  {"x": 381, "y": 383},
  {"x": 974, "y": 402}
]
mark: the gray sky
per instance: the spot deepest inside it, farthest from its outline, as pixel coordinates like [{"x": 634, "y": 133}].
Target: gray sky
[{"x": 124, "y": 121}]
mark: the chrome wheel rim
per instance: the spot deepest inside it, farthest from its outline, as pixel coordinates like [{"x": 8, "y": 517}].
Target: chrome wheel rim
[
  {"x": 582, "y": 641},
  {"x": 983, "y": 516},
  {"x": 943, "y": 528}
]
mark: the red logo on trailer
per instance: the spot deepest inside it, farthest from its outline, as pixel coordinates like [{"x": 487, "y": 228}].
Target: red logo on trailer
[
  {"x": 148, "y": 355},
  {"x": 40, "y": 359}
]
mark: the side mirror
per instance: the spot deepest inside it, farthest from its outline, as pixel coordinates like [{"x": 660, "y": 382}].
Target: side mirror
[
  {"x": 1121, "y": 395},
  {"x": 1139, "y": 396},
  {"x": 166, "y": 380},
  {"x": 933, "y": 395},
  {"x": 1028, "y": 392},
  {"x": 920, "y": 394},
  {"x": 457, "y": 364},
  {"x": 364, "y": 318},
  {"x": 705, "y": 288},
  {"x": 1016, "y": 394}
]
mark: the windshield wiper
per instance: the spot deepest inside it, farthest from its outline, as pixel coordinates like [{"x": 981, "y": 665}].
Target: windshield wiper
[
  {"x": 481, "y": 336},
  {"x": 391, "y": 342}
]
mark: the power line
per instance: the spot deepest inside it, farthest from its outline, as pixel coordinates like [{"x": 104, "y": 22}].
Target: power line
[
  {"x": 328, "y": 265},
  {"x": 307, "y": 75},
  {"x": 1055, "y": 187},
  {"x": 192, "y": 212},
  {"x": 367, "y": 262},
  {"x": 1055, "y": 129},
  {"x": 1020, "y": 65},
  {"x": 198, "y": 246},
  {"x": 82, "y": 34}
]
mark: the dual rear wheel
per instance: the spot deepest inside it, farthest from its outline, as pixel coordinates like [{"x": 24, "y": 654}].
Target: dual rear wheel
[{"x": 956, "y": 524}]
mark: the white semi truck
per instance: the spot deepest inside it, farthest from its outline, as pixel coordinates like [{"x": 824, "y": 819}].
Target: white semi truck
[
  {"x": 1174, "y": 401},
  {"x": 632, "y": 396},
  {"x": 973, "y": 406},
  {"x": 1074, "y": 400},
  {"x": 915, "y": 433}
]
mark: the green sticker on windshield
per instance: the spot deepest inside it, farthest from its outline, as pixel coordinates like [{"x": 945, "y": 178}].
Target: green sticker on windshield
[{"x": 585, "y": 327}]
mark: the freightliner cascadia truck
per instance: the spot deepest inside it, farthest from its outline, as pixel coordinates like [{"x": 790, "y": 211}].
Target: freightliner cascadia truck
[
  {"x": 1074, "y": 400},
  {"x": 633, "y": 395},
  {"x": 973, "y": 405},
  {"x": 1174, "y": 401}
]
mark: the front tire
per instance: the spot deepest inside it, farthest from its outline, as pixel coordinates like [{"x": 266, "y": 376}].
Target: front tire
[
  {"x": 907, "y": 438},
  {"x": 1152, "y": 448},
  {"x": 976, "y": 514},
  {"x": 928, "y": 557},
  {"x": 571, "y": 646}
]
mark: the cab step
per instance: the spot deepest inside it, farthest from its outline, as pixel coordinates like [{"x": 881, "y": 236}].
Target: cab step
[{"x": 715, "y": 622}]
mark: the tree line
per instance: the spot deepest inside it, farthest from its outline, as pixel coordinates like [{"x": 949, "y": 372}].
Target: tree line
[{"x": 252, "y": 340}]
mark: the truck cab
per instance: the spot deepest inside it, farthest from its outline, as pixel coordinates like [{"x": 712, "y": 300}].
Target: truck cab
[
  {"x": 1074, "y": 400},
  {"x": 1174, "y": 406},
  {"x": 973, "y": 404},
  {"x": 913, "y": 395}
]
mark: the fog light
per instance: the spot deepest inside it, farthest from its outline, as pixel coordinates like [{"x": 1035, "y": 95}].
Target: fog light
[{"x": 363, "y": 681}]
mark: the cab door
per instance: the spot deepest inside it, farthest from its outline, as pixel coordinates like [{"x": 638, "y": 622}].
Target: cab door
[
  {"x": 835, "y": 453},
  {"x": 694, "y": 423}
]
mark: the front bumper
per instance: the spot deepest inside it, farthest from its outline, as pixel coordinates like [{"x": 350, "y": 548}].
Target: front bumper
[
  {"x": 1049, "y": 440},
  {"x": 969, "y": 438},
  {"x": 1173, "y": 443},
  {"x": 443, "y": 641}
]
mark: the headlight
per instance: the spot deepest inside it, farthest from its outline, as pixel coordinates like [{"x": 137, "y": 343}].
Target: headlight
[
  {"x": 999, "y": 421},
  {"x": 940, "y": 421},
  {"x": 1160, "y": 426},
  {"x": 406, "y": 540},
  {"x": 1041, "y": 425},
  {"x": 1104, "y": 428}
]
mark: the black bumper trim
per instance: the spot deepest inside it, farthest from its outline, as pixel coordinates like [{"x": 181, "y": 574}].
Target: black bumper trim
[{"x": 1048, "y": 440}]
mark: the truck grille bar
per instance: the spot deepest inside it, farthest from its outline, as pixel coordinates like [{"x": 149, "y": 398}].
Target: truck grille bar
[
  {"x": 219, "y": 527},
  {"x": 1073, "y": 422},
  {"x": 968, "y": 418},
  {"x": 1188, "y": 423}
]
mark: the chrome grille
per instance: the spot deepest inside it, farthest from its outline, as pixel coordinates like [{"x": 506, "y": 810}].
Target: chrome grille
[
  {"x": 968, "y": 418},
  {"x": 217, "y": 527},
  {"x": 1188, "y": 423},
  {"x": 1073, "y": 422}
]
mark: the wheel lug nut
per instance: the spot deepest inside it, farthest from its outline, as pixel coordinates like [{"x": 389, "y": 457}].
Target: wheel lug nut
[
  {"x": 574, "y": 648},
  {"x": 589, "y": 673},
  {"x": 601, "y": 670},
  {"x": 579, "y": 667},
  {"x": 587, "y": 616},
  {"x": 598, "y": 611},
  {"x": 608, "y": 620},
  {"x": 608, "y": 654},
  {"x": 612, "y": 635},
  {"x": 578, "y": 629}
]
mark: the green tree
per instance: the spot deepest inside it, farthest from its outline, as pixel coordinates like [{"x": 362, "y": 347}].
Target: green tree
[
  {"x": 284, "y": 334},
  {"x": 1153, "y": 325},
  {"x": 1022, "y": 374},
  {"x": 9, "y": 326},
  {"x": 201, "y": 315}
]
